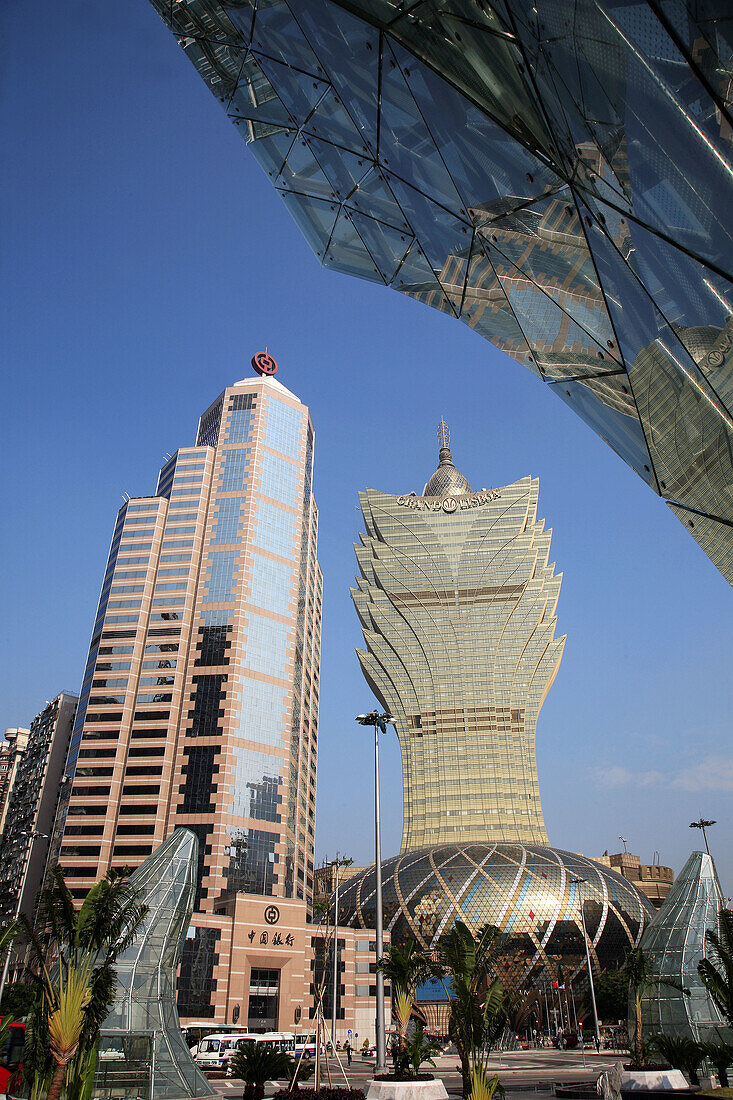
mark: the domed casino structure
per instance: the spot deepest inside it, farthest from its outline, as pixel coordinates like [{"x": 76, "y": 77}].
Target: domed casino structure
[{"x": 457, "y": 601}]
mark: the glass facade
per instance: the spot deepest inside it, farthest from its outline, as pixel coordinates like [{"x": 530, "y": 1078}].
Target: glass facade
[
  {"x": 676, "y": 941},
  {"x": 457, "y": 603},
  {"x": 556, "y": 175},
  {"x": 526, "y": 890}
]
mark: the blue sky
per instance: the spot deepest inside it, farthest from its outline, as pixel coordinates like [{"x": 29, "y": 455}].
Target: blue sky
[{"x": 145, "y": 259}]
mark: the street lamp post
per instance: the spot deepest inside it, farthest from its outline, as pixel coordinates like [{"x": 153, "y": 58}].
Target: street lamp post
[
  {"x": 702, "y": 825},
  {"x": 32, "y": 836},
  {"x": 337, "y": 864},
  {"x": 579, "y": 882},
  {"x": 379, "y": 721}
]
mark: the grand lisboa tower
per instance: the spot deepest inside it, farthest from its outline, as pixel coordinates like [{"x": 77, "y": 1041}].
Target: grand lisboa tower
[{"x": 457, "y": 598}]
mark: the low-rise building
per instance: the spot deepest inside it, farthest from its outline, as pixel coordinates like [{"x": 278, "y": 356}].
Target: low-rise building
[{"x": 651, "y": 879}]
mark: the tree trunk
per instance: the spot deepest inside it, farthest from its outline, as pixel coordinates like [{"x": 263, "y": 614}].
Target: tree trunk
[
  {"x": 638, "y": 1034},
  {"x": 723, "y": 1075},
  {"x": 57, "y": 1081},
  {"x": 465, "y": 1073}
]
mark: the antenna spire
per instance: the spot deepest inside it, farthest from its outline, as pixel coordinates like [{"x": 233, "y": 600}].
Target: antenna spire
[{"x": 443, "y": 435}]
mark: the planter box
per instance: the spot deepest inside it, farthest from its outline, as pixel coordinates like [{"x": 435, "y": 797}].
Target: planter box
[
  {"x": 407, "y": 1090},
  {"x": 654, "y": 1080}
]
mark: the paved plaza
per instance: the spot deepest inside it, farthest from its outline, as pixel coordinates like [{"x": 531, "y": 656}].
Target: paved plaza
[{"x": 520, "y": 1072}]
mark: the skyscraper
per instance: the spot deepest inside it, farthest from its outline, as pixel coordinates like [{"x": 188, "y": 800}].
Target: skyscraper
[
  {"x": 457, "y": 603},
  {"x": 31, "y": 807},
  {"x": 556, "y": 176},
  {"x": 11, "y": 753},
  {"x": 457, "y": 599},
  {"x": 199, "y": 705}
]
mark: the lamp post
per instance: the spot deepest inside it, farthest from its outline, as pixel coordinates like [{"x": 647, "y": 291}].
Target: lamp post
[
  {"x": 379, "y": 721},
  {"x": 337, "y": 864},
  {"x": 623, "y": 841},
  {"x": 579, "y": 882},
  {"x": 33, "y": 835},
  {"x": 702, "y": 825}
]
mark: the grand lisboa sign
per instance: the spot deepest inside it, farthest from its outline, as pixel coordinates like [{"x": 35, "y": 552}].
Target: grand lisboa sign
[{"x": 449, "y": 504}]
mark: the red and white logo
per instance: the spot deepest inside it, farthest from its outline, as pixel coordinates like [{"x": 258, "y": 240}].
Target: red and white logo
[{"x": 264, "y": 363}]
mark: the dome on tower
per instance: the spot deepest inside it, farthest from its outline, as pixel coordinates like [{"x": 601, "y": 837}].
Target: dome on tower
[{"x": 447, "y": 481}]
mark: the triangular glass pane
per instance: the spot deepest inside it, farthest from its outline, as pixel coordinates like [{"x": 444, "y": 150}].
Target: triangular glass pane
[
  {"x": 417, "y": 279},
  {"x": 697, "y": 302},
  {"x": 217, "y": 65},
  {"x": 441, "y": 235},
  {"x": 484, "y": 161},
  {"x": 545, "y": 240},
  {"x": 689, "y": 434},
  {"x": 375, "y": 196},
  {"x": 277, "y": 33},
  {"x": 607, "y": 404},
  {"x": 299, "y": 91},
  {"x": 387, "y": 245},
  {"x": 687, "y": 428},
  {"x": 487, "y": 311},
  {"x": 555, "y": 338},
  {"x": 343, "y": 169},
  {"x": 348, "y": 253},
  {"x": 271, "y": 151},
  {"x": 255, "y": 97},
  {"x": 314, "y": 217},
  {"x": 221, "y": 26},
  {"x": 406, "y": 145},
  {"x": 331, "y": 122},
  {"x": 348, "y": 50},
  {"x": 302, "y": 172},
  {"x": 712, "y": 535}
]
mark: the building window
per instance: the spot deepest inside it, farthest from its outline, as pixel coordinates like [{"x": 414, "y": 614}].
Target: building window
[
  {"x": 252, "y": 862},
  {"x": 207, "y": 709},
  {"x": 198, "y": 787},
  {"x": 196, "y": 980}
]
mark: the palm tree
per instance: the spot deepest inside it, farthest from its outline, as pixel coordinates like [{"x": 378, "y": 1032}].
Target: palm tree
[
  {"x": 642, "y": 976},
  {"x": 681, "y": 1052},
  {"x": 716, "y": 974},
  {"x": 256, "y": 1064},
  {"x": 478, "y": 1001},
  {"x": 75, "y": 977},
  {"x": 721, "y": 1056},
  {"x": 8, "y": 932},
  {"x": 406, "y": 967}
]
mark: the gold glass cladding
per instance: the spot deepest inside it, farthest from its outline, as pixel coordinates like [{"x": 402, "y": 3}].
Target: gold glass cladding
[
  {"x": 526, "y": 890},
  {"x": 457, "y": 606}
]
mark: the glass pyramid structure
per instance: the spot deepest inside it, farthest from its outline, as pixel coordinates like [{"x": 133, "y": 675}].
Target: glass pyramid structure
[
  {"x": 142, "y": 1052},
  {"x": 676, "y": 940},
  {"x": 557, "y": 174}
]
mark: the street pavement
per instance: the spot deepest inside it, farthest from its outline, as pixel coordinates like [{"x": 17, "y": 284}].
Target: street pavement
[{"x": 521, "y": 1072}]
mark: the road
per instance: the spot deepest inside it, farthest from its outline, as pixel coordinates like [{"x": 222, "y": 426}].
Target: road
[{"x": 519, "y": 1071}]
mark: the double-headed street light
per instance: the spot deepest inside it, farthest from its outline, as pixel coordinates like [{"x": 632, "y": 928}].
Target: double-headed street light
[
  {"x": 580, "y": 882},
  {"x": 702, "y": 825},
  {"x": 379, "y": 721}
]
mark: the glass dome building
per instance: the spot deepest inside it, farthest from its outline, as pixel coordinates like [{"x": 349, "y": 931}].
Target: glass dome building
[{"x": 529, "y": 891}]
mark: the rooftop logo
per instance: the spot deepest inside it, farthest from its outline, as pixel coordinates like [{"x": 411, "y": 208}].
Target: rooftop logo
[
  {"x": 264, "y": 363},
  {"x": 449, "y": 504}
]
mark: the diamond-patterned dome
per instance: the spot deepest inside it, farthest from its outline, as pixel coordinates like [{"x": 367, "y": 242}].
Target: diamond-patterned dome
[{"x": 447, "y": 481}]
